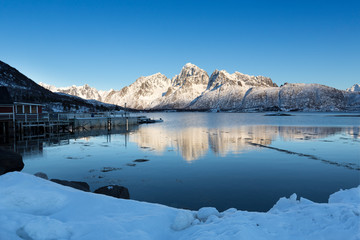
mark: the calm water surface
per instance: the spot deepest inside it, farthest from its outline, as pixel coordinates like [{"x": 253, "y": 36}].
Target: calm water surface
[{"x": 242, "y": 160}]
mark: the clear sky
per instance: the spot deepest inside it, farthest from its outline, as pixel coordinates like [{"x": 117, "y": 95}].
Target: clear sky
[{"x": 109, "y": 44}]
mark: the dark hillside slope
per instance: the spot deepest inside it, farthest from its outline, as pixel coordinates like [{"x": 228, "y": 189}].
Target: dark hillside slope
[{"x": 23, "y": 89}]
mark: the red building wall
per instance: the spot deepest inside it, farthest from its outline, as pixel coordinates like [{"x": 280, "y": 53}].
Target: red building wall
[{"x": 6, "y": 109}]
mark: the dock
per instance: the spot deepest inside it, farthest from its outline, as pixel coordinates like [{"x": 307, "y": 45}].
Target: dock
[
  {"x": 12, "y": 124},
  {"x": 29, "y": 119}
]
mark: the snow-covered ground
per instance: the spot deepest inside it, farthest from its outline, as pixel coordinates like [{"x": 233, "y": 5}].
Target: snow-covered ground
[{"x": 34, "y": 208}]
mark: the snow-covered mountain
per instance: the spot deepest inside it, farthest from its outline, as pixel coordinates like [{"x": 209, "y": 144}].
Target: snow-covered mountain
[
  {"x": 193, "y": 89},
  {"x": 226, "y": 91},
  {"x": 181, "y": 92},
  {"x": 304, "y": 97},
  {"x": 85, "y": 91},
  {"x": 143, "y": 93},
  {"x": 159, "y": 92},
  {"x": 354, "y": 88},
  {"x": 184, "y": 89}
]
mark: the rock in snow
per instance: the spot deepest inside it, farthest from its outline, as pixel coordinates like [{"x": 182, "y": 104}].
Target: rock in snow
[
  {"x": 41, "y": 175},
  {"x": 34, "y": 208},
  {"x": 114, "y": 191},
  {"x": 193, "y": 89},
  {"x": 10, "y": 161},
  {"x": 83, "y": 186}
]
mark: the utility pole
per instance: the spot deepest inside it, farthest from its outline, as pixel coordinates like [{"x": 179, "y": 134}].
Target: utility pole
[{"x": 125, "y": 109}]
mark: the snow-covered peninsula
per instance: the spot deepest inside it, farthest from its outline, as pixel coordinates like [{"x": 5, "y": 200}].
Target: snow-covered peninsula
[{"x": 34, "y": 208}]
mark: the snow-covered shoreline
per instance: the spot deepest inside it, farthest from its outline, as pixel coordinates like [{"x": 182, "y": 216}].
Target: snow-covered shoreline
[{"x": 34, "y": 208}]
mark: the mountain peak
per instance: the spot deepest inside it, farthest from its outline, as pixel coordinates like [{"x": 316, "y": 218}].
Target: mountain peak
[
  {"x": 190, "y": 65},
  {"x": 151, "y": 78},
  {"x": 159, "y": 74},
  {"x": 191, "y": 74},
  {"x": 354, "y": 88}
]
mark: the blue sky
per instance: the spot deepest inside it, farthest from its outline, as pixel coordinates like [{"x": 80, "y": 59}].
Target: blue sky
[{"x": 109, "y": 44}]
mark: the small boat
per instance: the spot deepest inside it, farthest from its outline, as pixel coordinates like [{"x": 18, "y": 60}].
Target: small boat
[{"x": 149, "y": 120}]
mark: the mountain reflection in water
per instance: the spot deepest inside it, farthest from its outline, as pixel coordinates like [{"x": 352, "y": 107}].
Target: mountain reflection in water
[
  {"x": 191, "y": 142},
  {"x": 194, "y": 142}
]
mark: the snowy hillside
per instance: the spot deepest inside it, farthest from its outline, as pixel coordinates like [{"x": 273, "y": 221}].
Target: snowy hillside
[
  {"x": 20, "y": 87},
  {"x": 305, "y": 97},
  {"x": 23, "y": 89},
  {"x": 193, "y": 89},
  {"x": 35, "y": 208}
]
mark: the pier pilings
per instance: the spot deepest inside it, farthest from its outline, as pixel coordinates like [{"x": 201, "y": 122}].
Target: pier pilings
[{"x": 62, "y": 123}]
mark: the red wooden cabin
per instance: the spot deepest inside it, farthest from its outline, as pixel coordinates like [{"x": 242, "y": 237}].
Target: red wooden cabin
[{"x": 17, "y": 110}]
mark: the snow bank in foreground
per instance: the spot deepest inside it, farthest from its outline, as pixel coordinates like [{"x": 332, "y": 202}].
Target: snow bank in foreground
[{"x": 34, "y": 208}]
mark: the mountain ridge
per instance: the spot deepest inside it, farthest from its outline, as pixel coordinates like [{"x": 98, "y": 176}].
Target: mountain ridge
[
  {"x": 194, "y": 89},
  {"x": 180, "y": 92},
  {"x": 23, "y": 89}
]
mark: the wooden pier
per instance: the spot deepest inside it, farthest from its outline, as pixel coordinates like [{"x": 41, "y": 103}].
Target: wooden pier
[
  {"x": 50, "y": 123},
  {"x": 106, "y": 120},
  {"x": 33, "y": 124}
]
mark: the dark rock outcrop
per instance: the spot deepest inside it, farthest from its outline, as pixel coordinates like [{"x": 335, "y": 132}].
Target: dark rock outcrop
[
  {"x": 279, "y": 114},
  {"x": 74, "y": 184},
  {"x": 114, "y": 191},
  {"x": 42, "y": 175},
  {"x": 10, "y": 161},
  {"x": 140, "y": 160}
]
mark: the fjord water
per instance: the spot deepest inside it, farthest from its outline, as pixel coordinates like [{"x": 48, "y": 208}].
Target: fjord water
[{"x": 241, "y": 160}]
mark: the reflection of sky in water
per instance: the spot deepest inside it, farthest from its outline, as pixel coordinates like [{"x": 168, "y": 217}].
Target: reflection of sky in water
[{"x": 225, "y": 170}]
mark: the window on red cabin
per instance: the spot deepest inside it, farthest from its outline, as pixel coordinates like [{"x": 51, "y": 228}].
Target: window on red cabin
[
  {"x": 19, "y": 109},
  {"x": 33, "y": 109},
  {"x": 27, "y": 109}
]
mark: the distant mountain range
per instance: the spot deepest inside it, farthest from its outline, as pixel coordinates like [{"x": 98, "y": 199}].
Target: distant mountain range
[
  {"x": 23, "y": 89},
  {"x": 193, "y": 89},
  {"x": 354, "y": 88}
]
